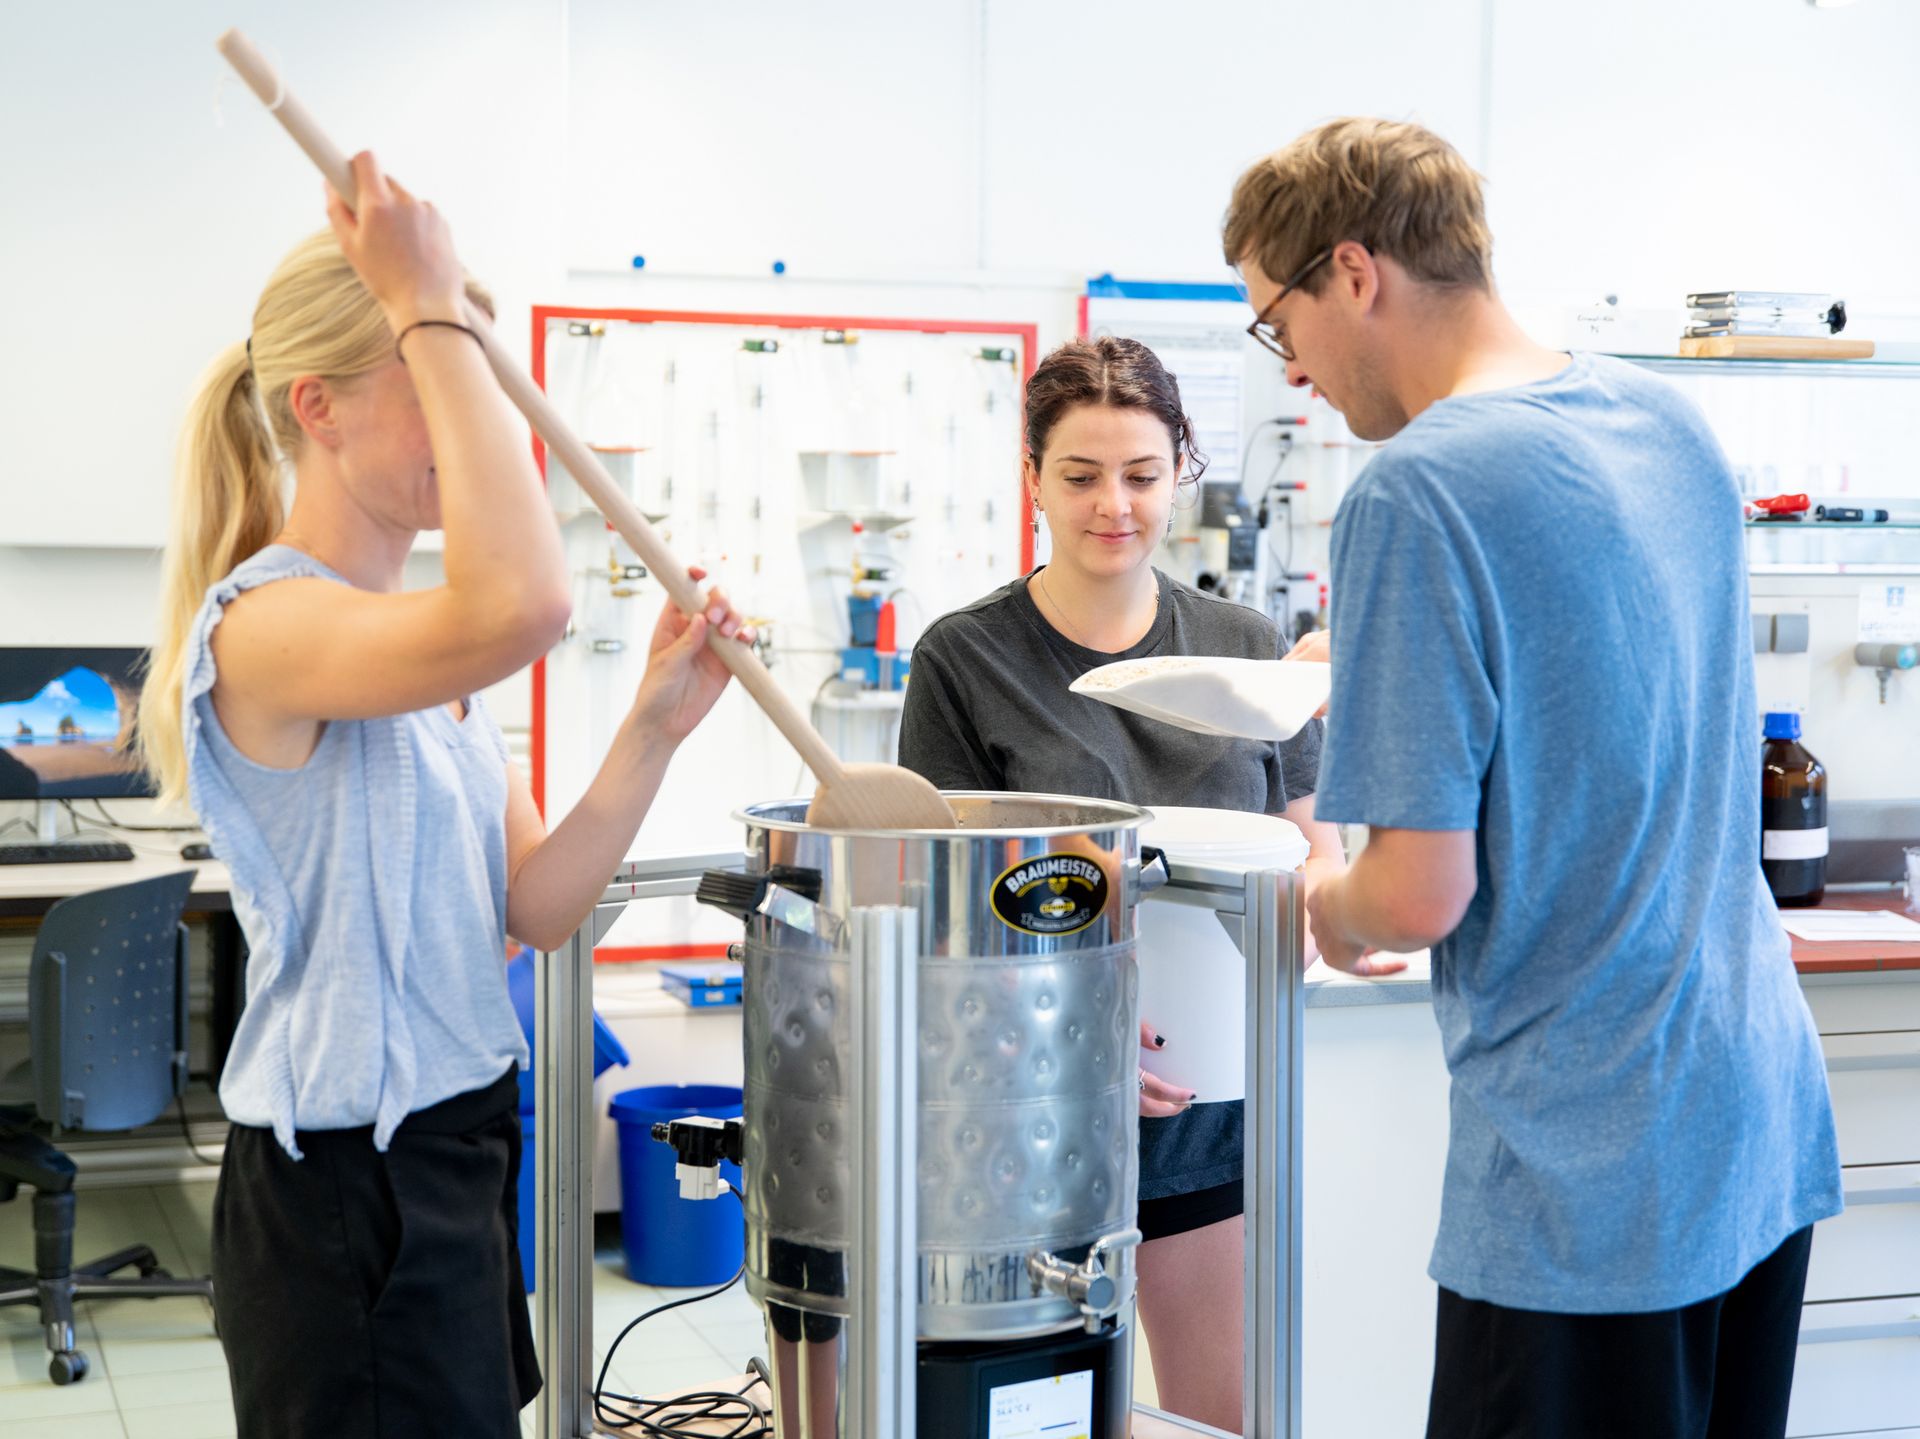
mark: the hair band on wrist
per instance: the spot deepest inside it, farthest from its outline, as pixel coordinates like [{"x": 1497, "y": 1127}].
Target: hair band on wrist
[{"x": 443, "y": 324}]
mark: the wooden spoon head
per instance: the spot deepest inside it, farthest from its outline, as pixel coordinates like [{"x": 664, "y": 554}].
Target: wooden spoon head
[{"x": 879, "y": 796}]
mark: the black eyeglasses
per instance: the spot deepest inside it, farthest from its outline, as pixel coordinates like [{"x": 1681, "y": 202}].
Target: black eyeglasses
[{"x": 1262, "y": 328}]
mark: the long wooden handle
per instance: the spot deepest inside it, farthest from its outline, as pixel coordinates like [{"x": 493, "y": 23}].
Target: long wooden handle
[{"x": 580, "y": 462}]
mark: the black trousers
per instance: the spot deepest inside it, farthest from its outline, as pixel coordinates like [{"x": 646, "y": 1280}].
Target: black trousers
[
  {"x": 363, "y": 1295},
  {"x": 1719, "y": 1369}
]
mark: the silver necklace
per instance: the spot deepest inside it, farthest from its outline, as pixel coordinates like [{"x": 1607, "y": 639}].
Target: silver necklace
[{"x": 1074, "y": 634}]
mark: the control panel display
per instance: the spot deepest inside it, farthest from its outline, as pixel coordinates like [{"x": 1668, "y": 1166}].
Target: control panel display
[{"x": 1057, "y": 1407}]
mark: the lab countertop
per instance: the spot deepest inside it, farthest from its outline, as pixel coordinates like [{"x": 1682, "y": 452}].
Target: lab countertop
[
  {"x": 1329, "y": 987},
  {"x": 1855, "y": 957}
]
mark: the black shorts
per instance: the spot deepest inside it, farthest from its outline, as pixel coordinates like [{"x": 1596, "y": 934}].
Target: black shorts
[
  {"x": 1719, "y": 1369},
  {"x": 362, "y": 1294},
  {"x": 1178, "y": 1213},
  {"x": 809, "y": 1270}
]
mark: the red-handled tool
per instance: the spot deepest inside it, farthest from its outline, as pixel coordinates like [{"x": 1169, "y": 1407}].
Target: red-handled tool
[{"x": 1781, "y": 505}]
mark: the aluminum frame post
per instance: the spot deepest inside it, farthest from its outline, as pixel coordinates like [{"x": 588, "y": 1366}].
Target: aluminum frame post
[
  {"x": 563, "y": 1152},
  {"x": 563, "y": 1194},
  {"x": 879, "y": 1397},
  {"x": 1273, "y": 938}
]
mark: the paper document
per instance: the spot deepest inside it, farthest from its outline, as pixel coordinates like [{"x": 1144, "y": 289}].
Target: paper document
[{"x": 1831, "y": 925}]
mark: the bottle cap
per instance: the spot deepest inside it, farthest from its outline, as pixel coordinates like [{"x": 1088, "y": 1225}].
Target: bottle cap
[{"x": 1783, "y": 724}]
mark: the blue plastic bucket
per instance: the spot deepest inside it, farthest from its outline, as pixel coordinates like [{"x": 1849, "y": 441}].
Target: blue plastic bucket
[
  {"x": 669, "y": 1240},
  {"x": 607, "y": 1048},
  {"x": 527, "y": 1168}
]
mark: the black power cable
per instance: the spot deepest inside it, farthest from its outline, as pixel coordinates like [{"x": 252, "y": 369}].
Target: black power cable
[
  {"x": 180, "y": 1108},
  {"x": 698, "y": 1415},
  {"x": 694, "y": 1415},
  {"x": 1253, "y": 435},
  {"x": 106, "y": 815}
]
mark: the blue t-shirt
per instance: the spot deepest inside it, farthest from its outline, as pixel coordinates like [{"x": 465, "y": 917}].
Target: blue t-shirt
[{"x": 1540, "y": 635}]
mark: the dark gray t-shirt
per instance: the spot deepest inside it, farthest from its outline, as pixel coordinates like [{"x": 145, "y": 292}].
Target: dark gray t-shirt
[{"x": 988, "y": 708}]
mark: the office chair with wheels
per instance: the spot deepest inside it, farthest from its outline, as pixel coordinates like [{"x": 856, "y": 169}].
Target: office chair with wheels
[{"x": 108, "y": 1020}]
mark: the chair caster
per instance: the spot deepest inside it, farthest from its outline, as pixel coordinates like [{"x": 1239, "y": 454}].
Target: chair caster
[
  {"x": 153, "y": 1269},
  {"x": 67, "y": 1367}
]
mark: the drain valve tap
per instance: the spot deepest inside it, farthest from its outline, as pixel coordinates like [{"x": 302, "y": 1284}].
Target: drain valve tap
[{"x": 1087, "y": 1283}]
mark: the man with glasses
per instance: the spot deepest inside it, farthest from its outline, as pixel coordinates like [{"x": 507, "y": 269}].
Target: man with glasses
[{"x": 1544, "y": 710}]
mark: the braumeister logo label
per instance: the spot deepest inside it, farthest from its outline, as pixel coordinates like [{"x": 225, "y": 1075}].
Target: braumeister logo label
[{"x": 1054, "y": 894}]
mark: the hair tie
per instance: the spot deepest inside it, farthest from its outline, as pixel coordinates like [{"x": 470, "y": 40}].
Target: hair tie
[{"x": 466, "y": 330}]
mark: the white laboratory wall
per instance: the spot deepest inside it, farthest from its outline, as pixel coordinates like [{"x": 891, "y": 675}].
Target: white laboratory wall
[
  {"x": 1651, "y": 148},
  {"x": 1867, "y": 735},
  {"x": 140, "y": 228},
  {"x": 837, "y": 136},
  {"x": 1115, "y": 133}
]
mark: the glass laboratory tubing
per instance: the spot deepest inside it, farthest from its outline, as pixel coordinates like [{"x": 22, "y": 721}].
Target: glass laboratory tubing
[{"x": 1793, "y": 815}]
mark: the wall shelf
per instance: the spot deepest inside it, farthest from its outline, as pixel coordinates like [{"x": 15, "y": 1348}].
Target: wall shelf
[
  {"x": 878, "y": 521},
  {"x": 863, "y": 700},
  {"x": 1829, "y": 527},
  {"x": 1876, "y": 368}
]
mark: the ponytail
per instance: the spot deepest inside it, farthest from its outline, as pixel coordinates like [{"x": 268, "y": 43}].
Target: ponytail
[
  {"x": 227, "y": 507},
  {"x": 314, "y": 318}
]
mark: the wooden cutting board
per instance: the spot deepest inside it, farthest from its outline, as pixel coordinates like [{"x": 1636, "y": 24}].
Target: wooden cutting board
[{"x": 1774, "y": 347}]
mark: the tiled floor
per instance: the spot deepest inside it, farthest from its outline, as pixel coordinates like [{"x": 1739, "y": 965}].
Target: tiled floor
[
  {"x": 156, "y": 1371},
  {"x": 159, "y": 1373}
]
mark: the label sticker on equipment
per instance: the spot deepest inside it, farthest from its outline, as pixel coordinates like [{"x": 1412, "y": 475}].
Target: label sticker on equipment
[
  {"x": 1793, "y": 843},
  {"x": 1059, "y": 1407},
  {"x": 1889, "y": 615},
  {"x": 1054, "y": 894}
]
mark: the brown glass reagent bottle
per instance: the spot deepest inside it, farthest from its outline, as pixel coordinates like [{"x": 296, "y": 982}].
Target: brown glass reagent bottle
[{"x": 1793, "y": 815}]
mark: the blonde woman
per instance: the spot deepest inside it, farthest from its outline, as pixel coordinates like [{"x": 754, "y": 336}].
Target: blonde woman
[{"x": 329, "y": 731}]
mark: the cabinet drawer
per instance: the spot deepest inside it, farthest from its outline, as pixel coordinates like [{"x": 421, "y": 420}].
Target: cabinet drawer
[
  {"x": 1844, "y": 1004},
  {"x": 1875, "y": 1081},
  {"x": 1857, "y": 1368},
  {"x": 1873, "y": 1249}
]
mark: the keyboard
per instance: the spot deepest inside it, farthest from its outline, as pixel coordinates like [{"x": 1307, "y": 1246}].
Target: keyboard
[{"x": 79, "y": 851}]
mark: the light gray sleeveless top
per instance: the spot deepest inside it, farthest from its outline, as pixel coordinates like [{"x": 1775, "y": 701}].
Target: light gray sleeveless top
[{"x": 371, "y": 883}]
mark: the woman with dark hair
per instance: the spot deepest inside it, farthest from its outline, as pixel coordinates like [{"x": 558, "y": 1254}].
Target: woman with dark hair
[{"x": 1108, "y": 449}]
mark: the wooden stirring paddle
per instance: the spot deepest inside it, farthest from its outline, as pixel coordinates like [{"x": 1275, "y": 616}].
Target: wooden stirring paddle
[{"x": 850, "y": 796}]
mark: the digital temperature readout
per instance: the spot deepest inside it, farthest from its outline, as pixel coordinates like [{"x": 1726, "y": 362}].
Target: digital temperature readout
[{"x": 1058, "y": 1407}]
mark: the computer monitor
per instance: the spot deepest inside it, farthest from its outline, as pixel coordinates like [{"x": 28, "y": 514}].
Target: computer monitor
[{"x": 66, "y": 723}]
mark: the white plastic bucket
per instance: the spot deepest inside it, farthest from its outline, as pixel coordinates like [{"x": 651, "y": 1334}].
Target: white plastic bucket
[{"x": 1193, "y": 977}]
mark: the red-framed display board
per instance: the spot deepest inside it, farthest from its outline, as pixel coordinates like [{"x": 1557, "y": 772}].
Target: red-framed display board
[
  {"x": 546, "y": 314},
  {"x": 544, "y": 320}
]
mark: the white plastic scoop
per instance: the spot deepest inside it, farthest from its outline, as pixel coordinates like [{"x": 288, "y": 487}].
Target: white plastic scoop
[
  {"x": 858, "y": 796},
  {"x": 1233, "y": 698}
]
